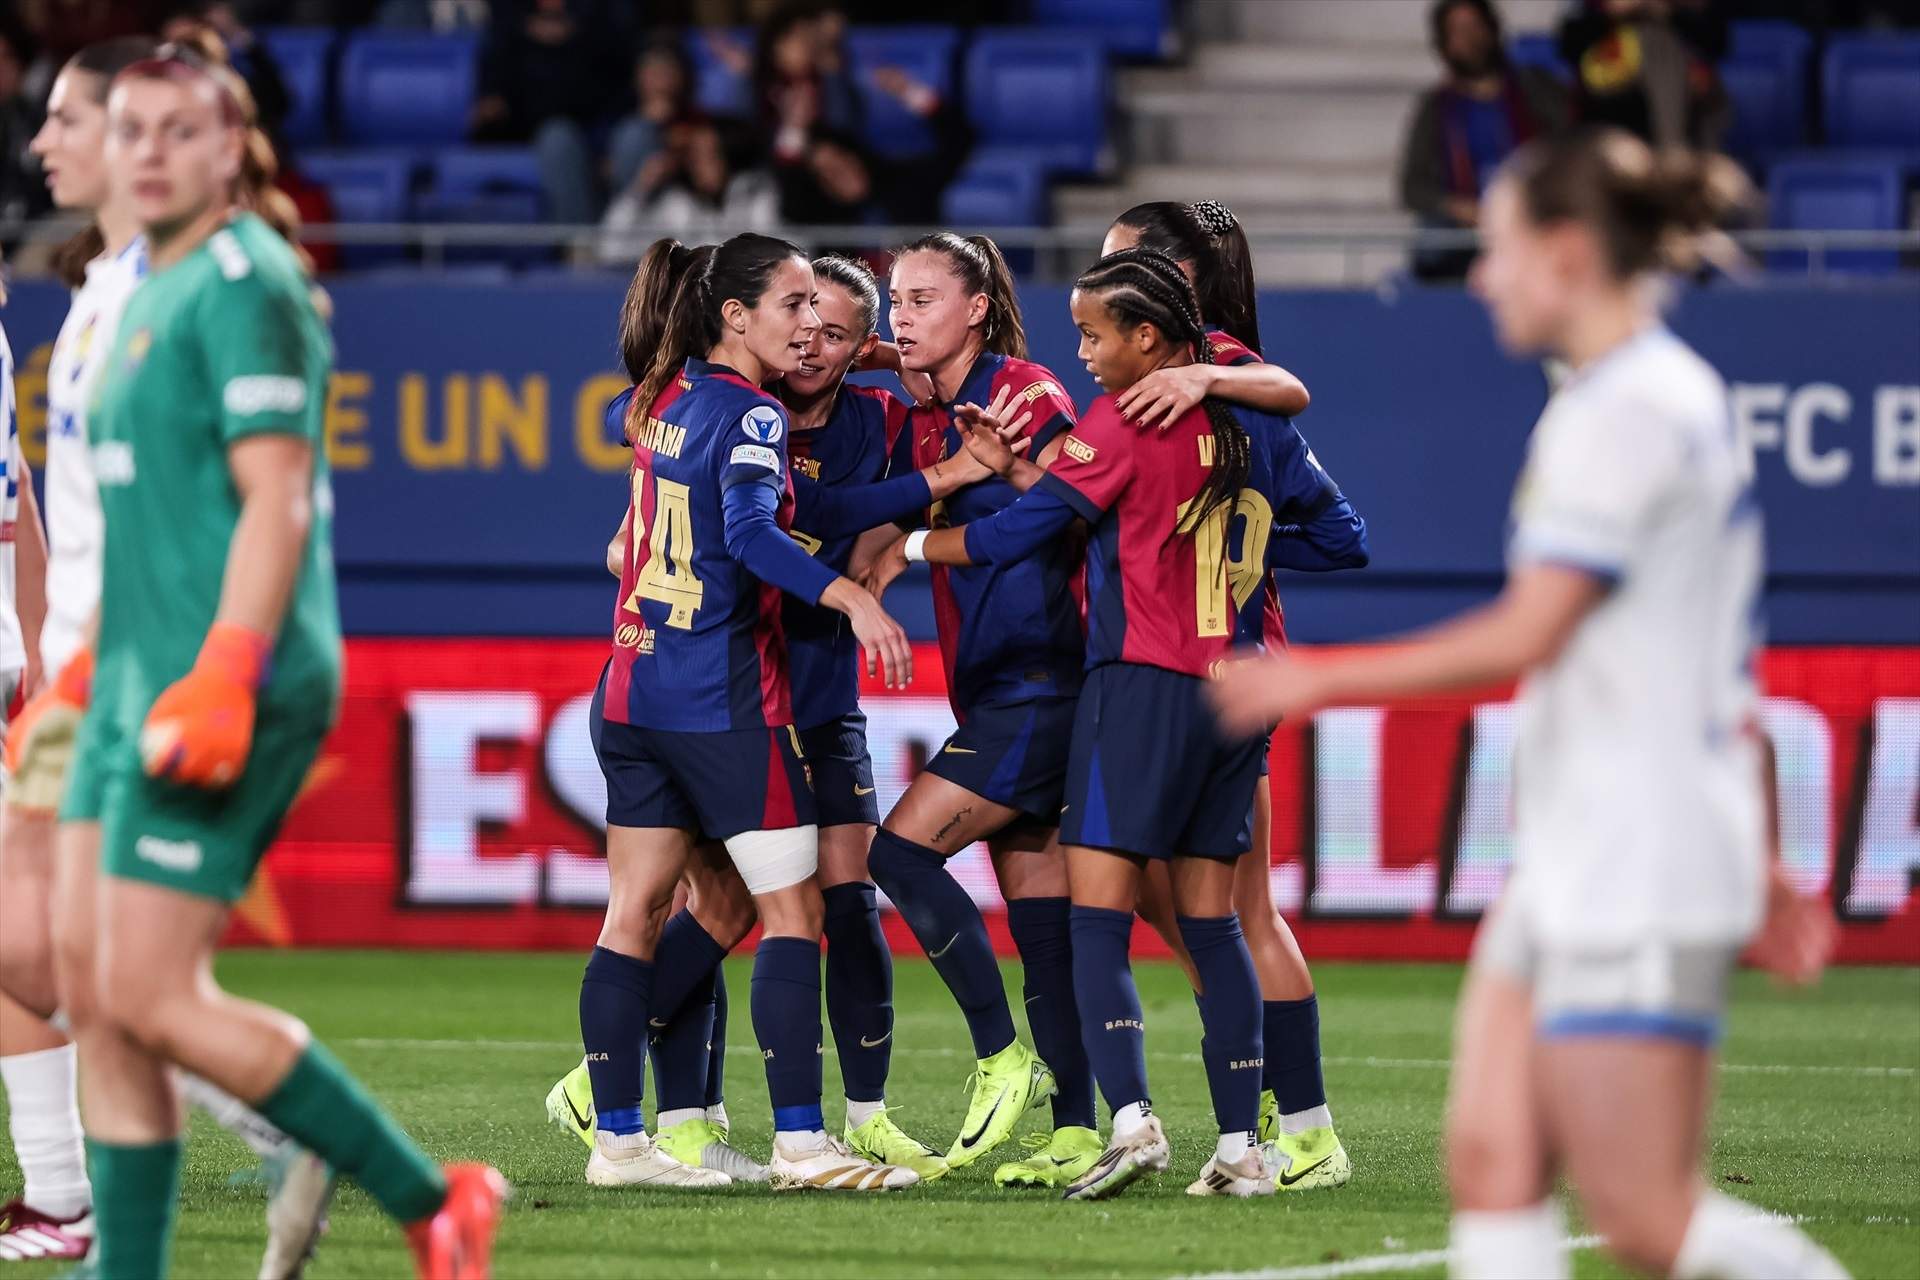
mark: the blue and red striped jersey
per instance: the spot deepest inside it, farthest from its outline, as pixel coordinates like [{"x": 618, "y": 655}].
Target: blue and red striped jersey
[
  {"x": 1229, "y": 352},
  {"x": 852, "y": 447},
  {"x": 1008, "y": 632},
  {"x": 697, "y": 640},
  {"x": 1161, "y": 590}
]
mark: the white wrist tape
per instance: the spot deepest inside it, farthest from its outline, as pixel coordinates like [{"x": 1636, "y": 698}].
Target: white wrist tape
[{"x": 916, "y": 548}]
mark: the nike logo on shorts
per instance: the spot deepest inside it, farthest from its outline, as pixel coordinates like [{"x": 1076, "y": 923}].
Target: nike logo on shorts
[
  {"x": 875, "y": 1044},
  {"x": 862, "y": 791},
  {"x": 952, "y": 750}
]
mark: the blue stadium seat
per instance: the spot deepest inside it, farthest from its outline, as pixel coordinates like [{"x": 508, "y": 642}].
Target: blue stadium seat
[
  {"x": 477, "y": 185},
  {"x": 996, "y": 189},
  {"x": 1044, "y": 92},
  {"x": 1538, "y": 49},
  {"x": 1765, "y": 74},
  {"x": 365, "y": 186},
  {"x": 1836, "y": 195},
  {"x": 304, "y": 56},
  {"x": 1140, "y": 30},
  {"x": 717, "y": 89},
  {"x": 1872, "y": 86},
  {"x": 407, "y": 87},
  {"x": 925, "y": 53}
]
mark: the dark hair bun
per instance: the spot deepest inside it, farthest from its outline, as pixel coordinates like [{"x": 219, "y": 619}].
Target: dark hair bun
[{"x": 1214, "y": 218}]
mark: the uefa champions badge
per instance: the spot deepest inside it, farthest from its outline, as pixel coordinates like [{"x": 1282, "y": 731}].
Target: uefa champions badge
[{"x": 762, "y": 423}]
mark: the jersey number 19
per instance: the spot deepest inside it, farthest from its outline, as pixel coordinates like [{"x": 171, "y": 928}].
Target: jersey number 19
[{"x": 1217, "y": 574}]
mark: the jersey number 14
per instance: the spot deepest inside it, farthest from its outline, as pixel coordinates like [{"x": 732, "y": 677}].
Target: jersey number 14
[{"x": 667, "y": 575}]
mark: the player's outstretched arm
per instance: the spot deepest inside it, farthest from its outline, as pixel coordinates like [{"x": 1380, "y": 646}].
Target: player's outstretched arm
[
  {"x": 200, "y": 728},
  {"x": 29, "y": 577},
  {"x": 1525, "y": 627}
]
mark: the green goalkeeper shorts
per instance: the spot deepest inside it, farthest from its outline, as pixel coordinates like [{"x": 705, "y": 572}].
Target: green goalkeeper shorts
[{"x": 189, "y": 839}]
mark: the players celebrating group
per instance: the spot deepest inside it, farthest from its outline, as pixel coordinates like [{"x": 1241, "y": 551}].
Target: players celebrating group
[{"x": 1090, "y": 574}]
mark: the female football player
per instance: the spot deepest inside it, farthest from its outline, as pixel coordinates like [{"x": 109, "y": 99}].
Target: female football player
[
  {"x": 1013, "y": 643},
  {"x": 693, "y": 720},
  {"x": 1585, "y": 1041},
  {"x": 1185, "y": 526},
  {"x": 218, "y": 673},
  {"x": 1296, "y": 1127}
]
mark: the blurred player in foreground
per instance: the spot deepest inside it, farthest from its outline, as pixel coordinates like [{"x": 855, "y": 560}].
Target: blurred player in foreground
[
  {"x": 1586, "y": 1034},
  {"x": 1185, "y": 526},
  {"x": 217, "y": 540}
]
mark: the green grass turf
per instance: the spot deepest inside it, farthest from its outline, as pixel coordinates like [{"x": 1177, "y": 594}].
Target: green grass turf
[{"x": 464, "y": 1048}]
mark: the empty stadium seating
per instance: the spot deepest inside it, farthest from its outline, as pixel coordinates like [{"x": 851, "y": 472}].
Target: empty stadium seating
[
  {"x": 365, "y": 185},
  {"x": 1765, "y": 73},
  {"x": 1872, "y": 90},
  {"x": 406, "y": 87},
  {"x": 1836, "y": 194},
  {"x": 305, "y": 58},
  {"x": 926, "y": 54},
  {"x": 1045, "y": 93},
  {"x": 1140, "y": 30}
]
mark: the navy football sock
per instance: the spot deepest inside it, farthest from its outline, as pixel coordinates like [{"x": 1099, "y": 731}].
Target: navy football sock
[
  {"x": 950, "y": 931},
  {"x": 1230, "y": 1015},
  {"x": 1293, "y": 1054},
  {"x": 681, "y": 1018},
  {"x": 1042, "y": 930},
  {"x": 717, "y": 1055},
  {"x": 1111, "y": 1027},
  {"x": 859, "y": 990},
  {"x": 614, "y": 993},
  {"x": 786, "y": 1020}
]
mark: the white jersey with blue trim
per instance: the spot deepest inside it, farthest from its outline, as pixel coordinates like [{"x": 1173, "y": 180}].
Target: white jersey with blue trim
[
  {"x": 1638, "y": 803},
  {"x": 13, "y": 651},
  {"x": 76, "y": 530}
]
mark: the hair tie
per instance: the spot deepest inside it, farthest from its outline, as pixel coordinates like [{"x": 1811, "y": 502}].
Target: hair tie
[{"x": 1214, "y": 218}]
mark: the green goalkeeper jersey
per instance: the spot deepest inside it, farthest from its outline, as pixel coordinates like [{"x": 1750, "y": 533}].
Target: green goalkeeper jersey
[{"x": 222, "y": 345}]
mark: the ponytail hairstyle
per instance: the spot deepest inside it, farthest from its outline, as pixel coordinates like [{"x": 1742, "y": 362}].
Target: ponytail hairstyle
[
  {"x": 858, "y": 280},
  {"x": 978, "y": 265},
  {"x": 1208, "y": 238},
  {"x": 1650, "y": 211},
  {"x": 254, "y": 189},
  {"x": 643, "y": 315},
  {"x": 738, "y": 269},
  {"x": 103, "y": 61},
  {"x": 1145, "y": 286}
]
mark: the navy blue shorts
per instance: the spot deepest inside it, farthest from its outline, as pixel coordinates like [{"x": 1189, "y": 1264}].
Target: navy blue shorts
[
  {"x": 842, "y": 771},
  {"x": 715, "y": 784},
  {"x": 1014, "y": 754},
  {"x": 1149, "y": 772}
]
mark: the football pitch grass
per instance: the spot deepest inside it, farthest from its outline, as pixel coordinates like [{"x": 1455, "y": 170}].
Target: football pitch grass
[{"x": 1818, "y": 1117}]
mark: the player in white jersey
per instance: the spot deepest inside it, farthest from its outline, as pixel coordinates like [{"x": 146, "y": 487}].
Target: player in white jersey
[
  {"x": 1587, "y": 1028},
  {"x": 105, "y": 264}
]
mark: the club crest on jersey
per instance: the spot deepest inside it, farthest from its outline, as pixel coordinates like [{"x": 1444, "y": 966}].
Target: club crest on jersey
[
  {"x": 1079, "y": 450},
  {"x": 762, "y": 423},
  {"x": 138, "y": 345}
]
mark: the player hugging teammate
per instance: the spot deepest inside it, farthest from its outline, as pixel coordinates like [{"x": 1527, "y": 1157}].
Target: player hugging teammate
[{"x": 779, "y": 667}]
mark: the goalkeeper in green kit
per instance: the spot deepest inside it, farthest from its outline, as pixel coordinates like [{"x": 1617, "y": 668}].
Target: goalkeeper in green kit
[{"x": 216, "y": 675}]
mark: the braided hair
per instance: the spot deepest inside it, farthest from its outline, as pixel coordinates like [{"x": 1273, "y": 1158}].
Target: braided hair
[
  {"x": 1210, "y": 241},
  {"x": 1145, "y": 286}
]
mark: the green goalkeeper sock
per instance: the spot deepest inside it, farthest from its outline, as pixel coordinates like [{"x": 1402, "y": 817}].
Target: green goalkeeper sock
[
  {"x": 135, "y": 1191},
  {"x": 324, "y": 1109}
]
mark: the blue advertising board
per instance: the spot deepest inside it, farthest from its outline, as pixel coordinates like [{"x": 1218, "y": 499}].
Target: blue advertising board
[{"x": 476, "y": 486}]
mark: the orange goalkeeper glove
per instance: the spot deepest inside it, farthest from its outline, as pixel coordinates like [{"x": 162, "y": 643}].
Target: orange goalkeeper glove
[
  {"x": 55, "y": 708},
  {"x": 201, "y": 726}
]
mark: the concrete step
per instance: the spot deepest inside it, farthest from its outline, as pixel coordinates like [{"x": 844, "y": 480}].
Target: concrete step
[
  {"x": 1345, "y": 21},
  {"x": 1249, "y": 192},
  {"x": 1231, "y": 127},
  {"x": 1266, "y": 67}
]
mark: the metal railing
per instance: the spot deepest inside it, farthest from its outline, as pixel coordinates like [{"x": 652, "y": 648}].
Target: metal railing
[{"x": 1346, "y": 256}]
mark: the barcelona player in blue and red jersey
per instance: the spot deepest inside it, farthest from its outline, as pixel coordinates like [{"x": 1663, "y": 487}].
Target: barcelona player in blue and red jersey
[
  {"x": 1186, "y": 526},
  {"x": 1206, "y": 240},
  {"x": 693, "y": 722},
  {"x": 1013, "y": 641}
]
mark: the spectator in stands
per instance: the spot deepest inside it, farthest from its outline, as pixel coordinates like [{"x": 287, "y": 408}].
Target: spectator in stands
[
  {"x": 552, "y": 72},
  {"x": 664, "y": 110},
  {"x": 1648, "y": 66},
  {"x": 1463, "y": 127},
  {"x": 252, "y": 59},
  {"x": 62, "y": 27},
  {"x": 810, "y": 115},
  {"x": 435, "y": 15},
  {"x": 22, "y": 190},
  {"x": 687, "y": 190}
]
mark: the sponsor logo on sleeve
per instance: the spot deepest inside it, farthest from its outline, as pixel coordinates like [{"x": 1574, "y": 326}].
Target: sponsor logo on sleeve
[
  {"x": 264, "y": 393},
  {"x": 754, "y": 455},
  {"x": 227, "y": 251},
  {"x": 762, "y": 423},
  {"x": 1039, "y": 389},
  {"x": 1079, "y": 450}
]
